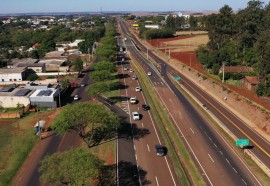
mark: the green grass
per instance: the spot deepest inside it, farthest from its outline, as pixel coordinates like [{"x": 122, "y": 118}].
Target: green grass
[
  {"x": 264, "y": 179},
  {"x": 183, "y": 164},
  {"x": 233, "y": 82},
  {"x": 17, "y": 139},
  {"x": 11, "y": 110}
]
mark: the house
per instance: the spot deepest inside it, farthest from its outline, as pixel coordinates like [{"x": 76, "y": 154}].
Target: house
[
  {"x": 31, "y": 64},
  {"x": 152, "y": 26},
  {"x": 250, "y": 82},
  {"x": 56, "y": 64},
  {"x": 55, "y": 54},
  {"x": 236, "y": 69},
  {"x": 13, "y": 74},
  {"x": 11, "y": 96},
  {"x": 47, "y": 97}
]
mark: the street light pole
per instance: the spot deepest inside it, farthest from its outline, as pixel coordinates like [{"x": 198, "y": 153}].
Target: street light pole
[{"x": 223, "y": 66}]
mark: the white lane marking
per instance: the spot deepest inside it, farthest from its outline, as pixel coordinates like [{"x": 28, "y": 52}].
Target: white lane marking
[
  {"x": 228, "y": 161},
  {"x": 211, "y": 158},
  {"x": 215, "y": 145},
  {"x": 191, "y": 130},
  {"x": 155, "y": 83},
  {"x": 157, "y": 181},
  {"x": 210, "y": 138},
  {"x": 136, "y": 159},
  {"x": 170, "y": 99},
  {"x": 134, "y": 147},
  {"x": 180, "y": 114},
  {"x": 138, "y": 108},
  {"x": 235, "y": 170},
  {"x": 244, "y": 181},
  {"x": 148, "y": 148},
  {"x": 161, "y": 83},
  {"x": 221, "y": 153},
  {"x": 142, "y": 125}
]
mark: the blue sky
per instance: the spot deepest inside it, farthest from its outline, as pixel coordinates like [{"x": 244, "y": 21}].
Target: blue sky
[{"x": 32, "y": 6}]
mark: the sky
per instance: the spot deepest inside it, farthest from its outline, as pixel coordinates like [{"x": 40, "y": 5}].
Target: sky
[{"x": 40, "y": 6}]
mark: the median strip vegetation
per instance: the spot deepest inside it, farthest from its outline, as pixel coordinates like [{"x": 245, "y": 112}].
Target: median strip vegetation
[
  {"x": 183, "y": 164},
  {"x": 264, "y": 179}
]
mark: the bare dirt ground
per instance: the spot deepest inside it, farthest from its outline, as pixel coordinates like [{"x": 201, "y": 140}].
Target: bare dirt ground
[{"x": 255, "y": 111}]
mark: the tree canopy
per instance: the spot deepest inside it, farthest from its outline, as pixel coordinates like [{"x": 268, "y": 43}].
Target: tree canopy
[{"x": 74, "y": 167}]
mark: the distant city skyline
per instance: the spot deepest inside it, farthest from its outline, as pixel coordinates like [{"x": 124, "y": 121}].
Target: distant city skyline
[{"x": 41, "y": 6}]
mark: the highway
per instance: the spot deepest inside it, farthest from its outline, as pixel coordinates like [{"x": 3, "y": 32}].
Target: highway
[
  {"x": 213, "y": 155},
  {"x": 152, "y": 169}
]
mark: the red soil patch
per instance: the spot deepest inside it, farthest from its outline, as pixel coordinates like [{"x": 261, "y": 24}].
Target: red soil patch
[{"x": 190, "y": 59}]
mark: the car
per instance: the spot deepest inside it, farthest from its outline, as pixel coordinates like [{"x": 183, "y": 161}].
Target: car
[
  {"x": 109, "y": 102},
  {"x": 149, "y": 73},
  {"x": 130, "y": 70},
  {"x": 134, "y": 77},
  {"x": 76, "y": 97},
  {"x": 133, "y": 100},
  {"x": 125, "y": 68},
  {"x": 145, "y": 107},
  {"x": 160, "y": 150},
  {"x": 138, "y": 89},
  {"x": 135, "y": 116},
  {"x": 83, "y": 85},
  {"x": 123, "y": 59}
]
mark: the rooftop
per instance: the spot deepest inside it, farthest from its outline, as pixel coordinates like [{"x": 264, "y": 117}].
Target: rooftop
[{"x": 12, "y": 70}]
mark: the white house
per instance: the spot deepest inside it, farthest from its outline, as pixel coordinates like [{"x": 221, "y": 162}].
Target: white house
[
  {"x": 152, "y": 26},
  {"x": 13, "y": 74}
]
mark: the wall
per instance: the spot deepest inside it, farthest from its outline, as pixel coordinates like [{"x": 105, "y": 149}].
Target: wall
[
  {"x": 12, "y": 101},
  {"x": 7, "y": 77}
]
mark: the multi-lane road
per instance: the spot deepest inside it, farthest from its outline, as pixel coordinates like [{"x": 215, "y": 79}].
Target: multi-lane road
[{"x": 214, "y": 157}]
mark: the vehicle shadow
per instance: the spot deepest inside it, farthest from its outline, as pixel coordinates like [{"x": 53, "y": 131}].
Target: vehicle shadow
[
  {"x": 128, "y": 175},
  {"x": 121, "y": 76}
]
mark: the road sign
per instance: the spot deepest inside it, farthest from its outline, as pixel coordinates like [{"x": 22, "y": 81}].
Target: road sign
[
  {"x": 177, "y": 78},
  {"x": 242, "y": 142}
]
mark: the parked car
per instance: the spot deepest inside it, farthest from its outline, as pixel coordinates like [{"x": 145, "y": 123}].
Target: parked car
[
  {"x": 125, "y": 68},
  {"x": 149, "y": 73},
  {"x": 160, "y": 150},
  {"x": 134, "y": 77},
  {"x": 133, "y": 100},
  {"x": 138, "y": 89},
  {"x": 130, "y": 70},
  {"x": 135, "y": 116},
  {"x": 83, "y": 84},
  {"x": 145, "y": 107},
  {"x": 76, "y": 97}
]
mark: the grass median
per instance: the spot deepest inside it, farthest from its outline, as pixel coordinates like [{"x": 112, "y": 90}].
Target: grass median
[{"x": 182, "y": 161}]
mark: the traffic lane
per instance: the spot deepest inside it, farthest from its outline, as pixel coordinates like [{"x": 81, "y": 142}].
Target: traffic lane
[
  {"x": 147, "y": 143},
  {"x": 217, "y": 142},
  {"x": 205, "y": 154},
  {"x": 209, "y": 156},
  {"x": 232, "y": 122}
]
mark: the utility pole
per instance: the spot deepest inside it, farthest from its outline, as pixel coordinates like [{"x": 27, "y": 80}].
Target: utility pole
[
  {"x": 223, "y": 65},
  {"x": 147, "y": 52},
  {"x": 88, "y": 54},
  {"x": 39, "y": 129}
]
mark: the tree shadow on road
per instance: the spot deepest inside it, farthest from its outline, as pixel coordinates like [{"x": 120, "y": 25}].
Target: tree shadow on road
[
  {"x": 127, "y": 131},
  {"x": 128, "y": 175}
]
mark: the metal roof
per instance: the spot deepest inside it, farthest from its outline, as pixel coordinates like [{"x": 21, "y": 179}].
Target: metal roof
[
  {"x": 7, "y": 89},
  {"x": 45, "y": 93}
]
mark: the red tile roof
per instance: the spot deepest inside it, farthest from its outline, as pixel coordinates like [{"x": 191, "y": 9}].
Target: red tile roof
[{"x": 253, "y": 80}]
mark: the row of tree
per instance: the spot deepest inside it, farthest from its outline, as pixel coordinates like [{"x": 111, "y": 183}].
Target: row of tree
[
  {"x": 241, "y": 38},
  {"x": 92, "y": 121}
]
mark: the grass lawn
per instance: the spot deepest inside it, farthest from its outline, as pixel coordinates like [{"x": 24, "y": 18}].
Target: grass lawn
[{"x": 17, "y": 139}]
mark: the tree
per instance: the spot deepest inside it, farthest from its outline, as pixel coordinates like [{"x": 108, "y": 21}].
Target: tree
[
  {"x": 78, "y": 64},
  {"x": 105, "y": 65},
  {"x": 85, "y": 118},
  {"x": 101, "y": 75},
  {"x": 170, "y": 22},
  {"x": 96, "y": 89},
  {"x": 73, "y": 167}
]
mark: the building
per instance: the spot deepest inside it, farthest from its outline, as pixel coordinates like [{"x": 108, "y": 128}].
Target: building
[
  {"x": 29, "y": 63},
  {"x": 56, "y": 65},
  {"x": 47, "y": 97},
  {"x": 152, "y": 26},
  {"x": 250, "y": 82},
  {"x": 55, "y": 54},
  {"x": 13, "y": 74},
  {"x": 11, "y": 97}
]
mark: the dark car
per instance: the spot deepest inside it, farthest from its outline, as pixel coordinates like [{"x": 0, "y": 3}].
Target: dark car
[
  {"x": 145, "y": 107},
  {"x": 160, "y": 150}
]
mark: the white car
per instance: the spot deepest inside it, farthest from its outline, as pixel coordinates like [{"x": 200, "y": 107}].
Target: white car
[
  {"x": 125, "y": 68},
  {"x": 149, "y": 73},
  {"x": 130, "y": 70},
  {"x": 135, "y": 116},
  {"x": 138, "y": 89},
  {"x": 134, "y": 77},
  {"x": 133, "y": 100},
  {"x": 76, "y": 97}
]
